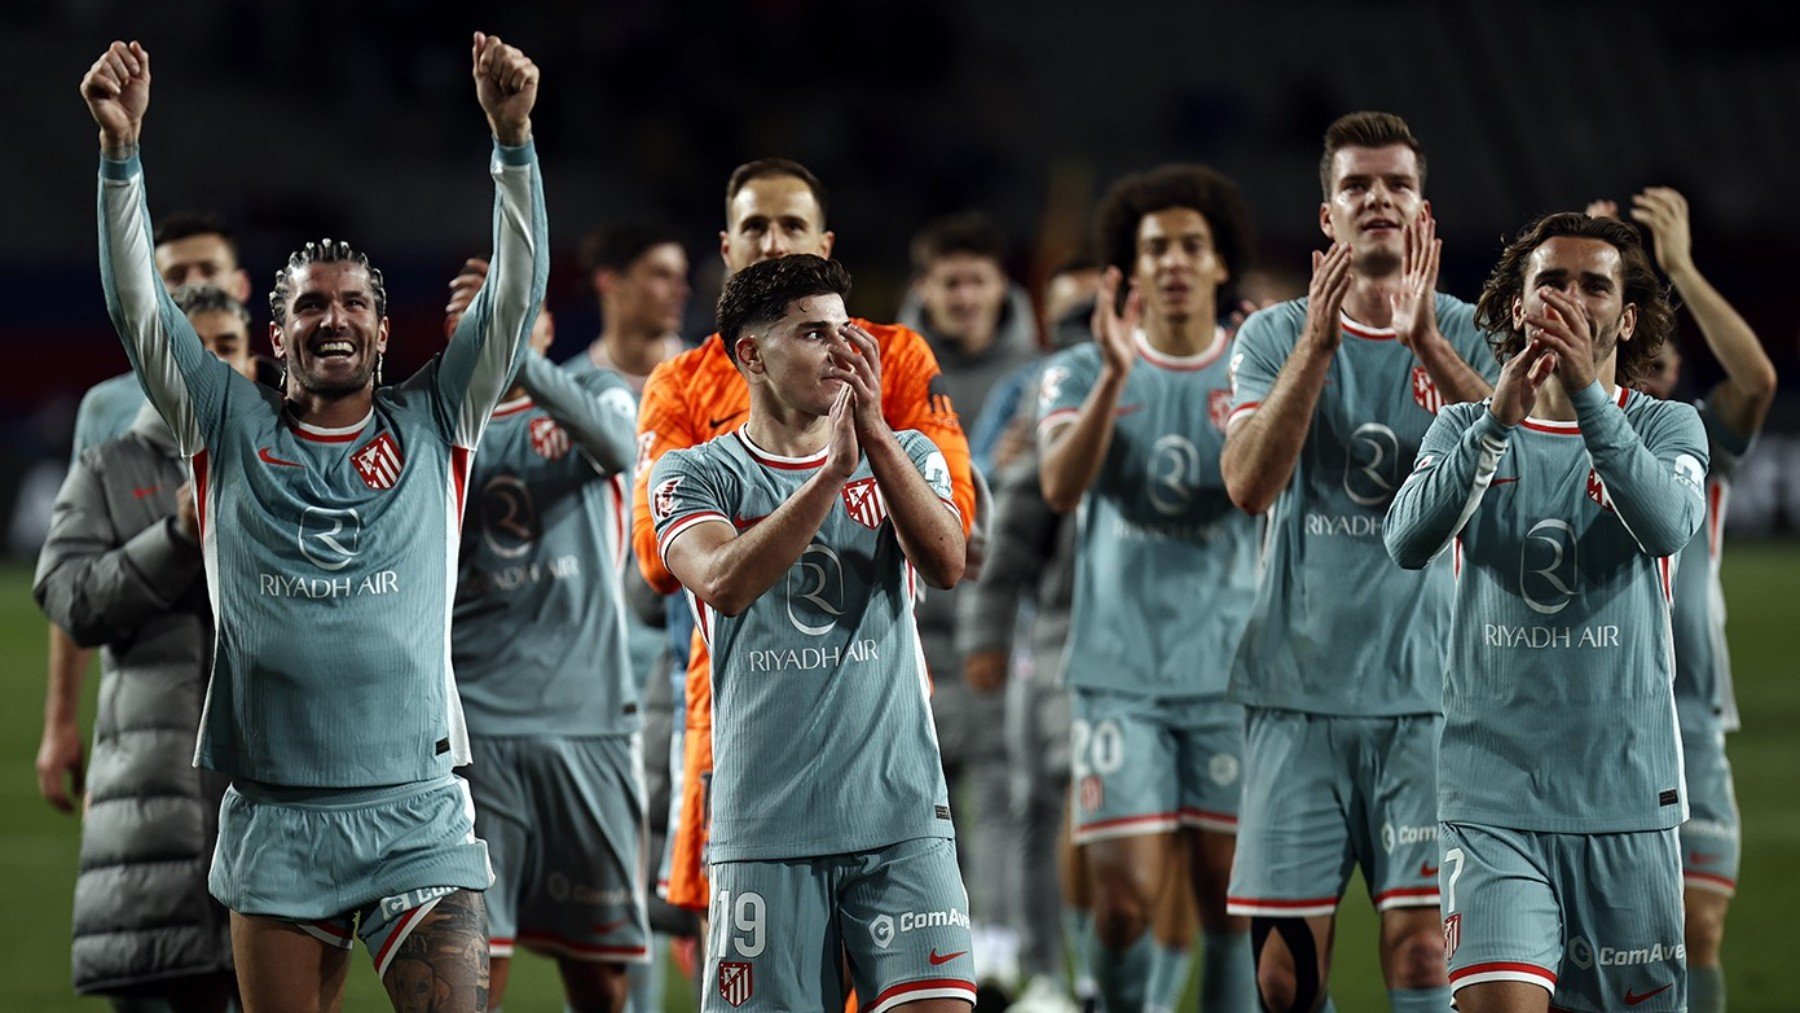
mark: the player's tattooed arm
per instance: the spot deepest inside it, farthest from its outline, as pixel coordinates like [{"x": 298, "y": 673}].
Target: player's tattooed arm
[
  {"x": 1415, "y": 315},
  {"x": 930, "y": 536},
  {"x": 442, "y": 965},
  {"x": 1261, "y": 451},
  {"x": 1071, "y": 454}
]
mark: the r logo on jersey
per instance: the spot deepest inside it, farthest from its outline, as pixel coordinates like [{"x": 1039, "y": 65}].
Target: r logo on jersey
[
  {"x": 863, "y": 502},
  {"x": 379, "y": 463},
  {"x": 548, "y": 439},
  {"x": 1218, "y": 407},
  {"x": 736, "y": 982},
  {"x": 663, "y": 502},
  {"x": 1425, "y": 392}
]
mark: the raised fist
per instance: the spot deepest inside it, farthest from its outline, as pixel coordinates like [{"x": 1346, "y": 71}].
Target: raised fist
[
  {"x": 117, "y": 91},
  {"x": 506, "y": 83}
]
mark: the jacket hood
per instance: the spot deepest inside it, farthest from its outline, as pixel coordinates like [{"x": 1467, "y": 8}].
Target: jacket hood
[{"x": 1017, "y": 331}]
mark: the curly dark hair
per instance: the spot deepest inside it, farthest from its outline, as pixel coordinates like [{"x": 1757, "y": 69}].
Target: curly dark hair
[
  {"x": 1643, "y": 289},
  {"x": 1198, "y": 187},
  {"x": 325, "y": 251},
  {"x": 761, "y": 293}
]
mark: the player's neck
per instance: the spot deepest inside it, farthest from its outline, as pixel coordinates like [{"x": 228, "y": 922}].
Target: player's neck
[
  {"x": 783, "y": 430},
  {"x": 1369, "y": 301},
  {"x": 1185, "y": 336},
  {"x": 628, "y": 351},
  {"x": 328, "y": 412},
  {"x": 1554, "y": 404}
]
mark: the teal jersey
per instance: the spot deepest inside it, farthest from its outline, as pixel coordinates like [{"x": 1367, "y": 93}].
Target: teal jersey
[
  {"x": 1702, "y": 660},
  {"x": 538, "y": 634},
  {"x": 644, "y": 642},
  {"x": 1559, "y": 708},
  {"x": 823, "y": 740},
  {"x": 330, "y": 553},
  {"x": 1165, "y": 564},
  {"x": 1335, "y": 628},
  {"x": 107, "y": 410}
]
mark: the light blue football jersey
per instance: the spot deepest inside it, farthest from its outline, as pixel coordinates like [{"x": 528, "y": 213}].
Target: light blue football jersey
[
  {"x": 823, "y": 740},
  {"x": 1559, "y": 708},
  {"x": 1165, "y": 565},
  {"x": 330, "y": 553},
  {"x": 1703, "y": 692},
  {"x": 538, "y": 636},
  {"x": 107, "y": 410},
  {"x": 1336, "y": 628}
]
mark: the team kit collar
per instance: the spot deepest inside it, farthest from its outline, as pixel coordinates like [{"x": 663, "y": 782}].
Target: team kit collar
[
  {"x": 326, "y": 434},
  {"x": 1182, "y": 363}
]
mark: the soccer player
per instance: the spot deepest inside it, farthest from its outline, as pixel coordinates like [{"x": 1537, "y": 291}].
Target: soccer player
[
  {"x": 190, "y": 249},
  {"x": 1340, "y": 666},
  {"x": 1130, "y": 430},
  {"x": 329, "y": 519},
  {"x": 801, "y": 537},
  {"x": 773, "y": 207},
  {"x": 554, "y": 716},
  {"x": 1733, "y": 413},
  {"x": 639, "y": 274},
  {"x": 1566, "y": 496}
]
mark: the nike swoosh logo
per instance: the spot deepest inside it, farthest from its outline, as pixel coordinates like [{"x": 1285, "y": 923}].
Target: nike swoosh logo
[
  {"x": 268, "y": 458},
  {"x": 1701, "y": 858},
  {"x": 716, "y": 423},
  {"x": 602, "y": 928},
  {"x": 1502, "y": 481},
  {"x": 1633, "y": 999},
  {"x": 937, "y": 958},
  {"x": 144, "y": 491},
  {"x": 1427, "y": 870},
  {"x": 1128, "y": 409}
]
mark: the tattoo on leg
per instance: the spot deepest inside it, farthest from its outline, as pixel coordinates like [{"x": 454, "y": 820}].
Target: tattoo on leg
[{"x": 442, "y": 965}]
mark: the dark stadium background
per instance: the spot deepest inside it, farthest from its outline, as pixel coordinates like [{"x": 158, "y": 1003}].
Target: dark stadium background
[{"x": 357, "y": 120}]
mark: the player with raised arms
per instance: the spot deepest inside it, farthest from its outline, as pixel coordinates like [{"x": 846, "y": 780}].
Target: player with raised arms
[
  {"x": 1341, "y": 664},
  {"x": 801, "y": 537},
  {"x": 1165, "y": 572},
  {"x": 329, "y": 515},
  {"x": 1565, "y": 496}
]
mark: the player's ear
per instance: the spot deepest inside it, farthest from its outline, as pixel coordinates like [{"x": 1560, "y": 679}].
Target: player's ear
[
  {"x": 749, "y": 357},
  {"x": 240, "y": 285},
  {"x": 277, "y": 343},
  {"x": 1628, "y": 322},
  {"x": 827, "y": 240},
  {"x": 725, "y": 248},
  {"x": 381, "y": 335},
  {"x": 604, "y": 280},
  {"x": 1325, "y": 221},
  {"x": 1517, "y": 313}
]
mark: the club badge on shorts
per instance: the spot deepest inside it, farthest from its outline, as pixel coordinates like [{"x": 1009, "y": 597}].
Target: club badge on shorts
[
  {"x": 379, "y": 463},
  {"x": 864, "y": 504},
  {"x": 736, "y": 982}
]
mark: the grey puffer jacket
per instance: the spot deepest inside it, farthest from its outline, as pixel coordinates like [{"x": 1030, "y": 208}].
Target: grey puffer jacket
[{"x": 116, "y": 573}]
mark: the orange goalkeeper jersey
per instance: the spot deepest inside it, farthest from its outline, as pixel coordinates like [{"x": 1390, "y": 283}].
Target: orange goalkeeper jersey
[{"x": 696, "y": 396}]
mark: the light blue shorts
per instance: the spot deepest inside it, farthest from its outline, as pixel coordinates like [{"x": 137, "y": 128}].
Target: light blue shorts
[
  {"x": 1711, "y": 843},
  {"x": 1149, "y": 765}
]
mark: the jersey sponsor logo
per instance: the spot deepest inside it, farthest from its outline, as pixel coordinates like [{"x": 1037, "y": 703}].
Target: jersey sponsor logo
[
  {"x": 330, "y": 538},
  {"x": 401, "y": 903},
  {"x": 1596, "y": 490},
  {"x": 509, "y": 517},
  {"x": 1689, "y": 470},
  {"x": 1452, "y": 935},
  {"x": 1548, "y": 577},
  {"x": 548, "y": 440},
  {"x": 737, "y": 982},
  {"x": 815, "y": 590},
  {"x": 379, "y": 462},
  {"x": 885, "y": 928},
  {"x": 1348, "y": 526},
  {"x": 664, "y": 502},
  {"x": 1399, "y": 835},
  {"x": 1504, "y": 481},
  {"x": 863, "y": 502},
  {"x": 1424, "y": 391},
  {"x": 1635, "y": 998},
  {"x": 266, "y": 457},
  {"x": 1427, "y": 870},
  {"x": 1174, "y": 474},
  {"x": 1586, "y": 955},
  {"x": 1372, "y": 467},
  {"x": 1218, "y": 408},
  {"x": 937, "y": 473},
  {"x": 807, "y": 659}
]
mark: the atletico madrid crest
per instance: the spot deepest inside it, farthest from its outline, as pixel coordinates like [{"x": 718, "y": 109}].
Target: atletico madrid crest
[
  {"x": 1425, "y": 392},
  {"x": 735, "y": 982},
  {"x": 864, "y": 504},
  {"x": 548, "y": 439},
  {"x": 379, "y": 462},
  {"x": 1218, "y": 407},
  {"x": 1452, "y": 934}
]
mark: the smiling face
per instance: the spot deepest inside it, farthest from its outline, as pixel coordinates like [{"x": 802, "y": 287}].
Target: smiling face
[
  {"x": 790, "y": 357},
  {"x": 1374, "y": 193},
  {"x": 1588, "y": 271},
  {"x": 770, "y": 217},
  {"x": 332, "y": 333}
]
